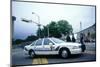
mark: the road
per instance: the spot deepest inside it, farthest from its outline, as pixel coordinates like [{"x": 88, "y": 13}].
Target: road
[{"x": 19, "y": 57}]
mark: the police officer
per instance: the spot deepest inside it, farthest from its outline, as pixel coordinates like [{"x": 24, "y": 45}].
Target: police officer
[{"x": 81, "y": 41}]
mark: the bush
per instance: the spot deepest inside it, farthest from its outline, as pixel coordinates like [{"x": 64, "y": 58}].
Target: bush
[
  {"x": 31, "y": 38},
  {"x": 18, "y": 41}
]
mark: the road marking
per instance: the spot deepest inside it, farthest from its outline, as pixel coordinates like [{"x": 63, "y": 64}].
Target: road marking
[
  {"x": 40, "y": 61},
  {"x": 44, "y": 61}
]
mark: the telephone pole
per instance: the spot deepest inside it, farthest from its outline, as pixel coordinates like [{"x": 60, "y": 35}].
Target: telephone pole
[{"x": 80, "y": 26}]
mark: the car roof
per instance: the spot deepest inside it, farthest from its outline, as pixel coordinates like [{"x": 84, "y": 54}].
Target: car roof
[{"x": 46, "y": 38}]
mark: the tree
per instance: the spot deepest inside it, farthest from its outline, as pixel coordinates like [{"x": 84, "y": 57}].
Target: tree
[
  {"x": 18, "y": 41},
  {"x": 53, "y": 30},
  {"x": 64, "y": 27},
  {"x": 40, "y": 32},
  {"x": 56, "y": 29},
  {"x": 45, "y": 31},
  {"x": 31, "y": 38}
]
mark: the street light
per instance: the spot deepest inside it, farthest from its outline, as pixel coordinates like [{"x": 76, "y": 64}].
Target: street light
[
  {"x": 28, "y": 21},
  {"x": 38, "y": 21},
  {"x": 37, "y": 16}
]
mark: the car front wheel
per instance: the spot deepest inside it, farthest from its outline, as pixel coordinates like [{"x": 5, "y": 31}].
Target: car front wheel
[
  {"x": 31, "y": 53},
  {"x": 64, "y": 53}
]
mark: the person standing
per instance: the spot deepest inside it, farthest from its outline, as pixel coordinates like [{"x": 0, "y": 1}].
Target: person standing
[
  {"x": 73, "y": 38},
  {"x": 82, "y": 42},
  {"x": 68, "y": 39}
]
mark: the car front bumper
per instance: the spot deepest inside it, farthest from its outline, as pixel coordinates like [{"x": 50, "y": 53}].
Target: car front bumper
[
  {"x": 76, "y": 51},
  {"x": 26, "y": 52}
]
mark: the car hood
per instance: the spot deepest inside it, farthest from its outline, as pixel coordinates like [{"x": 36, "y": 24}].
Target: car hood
[
  {"x": 27, "y": 46},
  {"x": 70, "y": 43}
]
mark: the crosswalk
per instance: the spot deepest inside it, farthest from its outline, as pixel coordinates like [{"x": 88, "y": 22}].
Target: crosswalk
[
  {"x": 40, "y": 61},
  {"x": 43, "y": 60}
]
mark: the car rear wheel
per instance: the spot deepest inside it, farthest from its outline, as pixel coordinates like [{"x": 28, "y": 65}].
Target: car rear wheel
[{"x": 64, "y": 53}]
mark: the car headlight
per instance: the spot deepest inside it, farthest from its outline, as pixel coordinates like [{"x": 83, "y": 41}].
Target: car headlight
[{"x": 25, "y": 49}]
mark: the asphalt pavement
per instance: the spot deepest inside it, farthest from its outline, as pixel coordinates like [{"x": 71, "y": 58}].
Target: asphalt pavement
[{"x": 18, "y": 57}]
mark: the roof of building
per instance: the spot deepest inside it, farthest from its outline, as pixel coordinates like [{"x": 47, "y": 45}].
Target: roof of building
[{"x": 88, "y": 28}]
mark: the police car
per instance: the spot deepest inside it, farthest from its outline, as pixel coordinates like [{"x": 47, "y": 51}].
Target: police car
[{"x": 52, "y": 46}]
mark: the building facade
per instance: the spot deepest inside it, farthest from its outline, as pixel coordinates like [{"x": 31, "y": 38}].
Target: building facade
[{"x": 89, "y": 34}]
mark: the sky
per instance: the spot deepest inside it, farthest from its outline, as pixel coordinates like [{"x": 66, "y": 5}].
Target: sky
[{"x": 74, "y": 14}]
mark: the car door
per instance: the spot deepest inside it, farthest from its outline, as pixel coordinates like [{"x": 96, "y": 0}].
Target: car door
[
  {"x": 48, "y": 46},
  {"x": 38, "y": 47}
]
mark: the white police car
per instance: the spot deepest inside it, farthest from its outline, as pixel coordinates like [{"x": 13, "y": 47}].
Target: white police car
[{"x": 52, "y": 46}]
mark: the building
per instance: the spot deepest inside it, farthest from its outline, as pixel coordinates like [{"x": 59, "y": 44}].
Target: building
[{"x": 89, "y": 34}]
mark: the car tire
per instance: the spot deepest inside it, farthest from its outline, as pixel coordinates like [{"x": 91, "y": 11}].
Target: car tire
[
  {"x": 64, "y": 53},
  {"x": 32, "y": 53}
]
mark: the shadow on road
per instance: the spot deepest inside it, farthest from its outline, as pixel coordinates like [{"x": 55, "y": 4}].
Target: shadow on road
[{"x": 55, "y": 56}]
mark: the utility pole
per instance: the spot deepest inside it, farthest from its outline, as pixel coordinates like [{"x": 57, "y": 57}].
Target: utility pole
[
  {"x": 80, "y": 26},
  {"x": 81, "y": 35},
  {"x": 13, "y": 19},
  {"x": 48, "y": 30},
  {"x": 38, "y": 22}
]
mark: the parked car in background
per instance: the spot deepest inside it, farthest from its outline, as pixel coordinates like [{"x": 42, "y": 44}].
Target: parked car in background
[{"x": 53, "y": 46}]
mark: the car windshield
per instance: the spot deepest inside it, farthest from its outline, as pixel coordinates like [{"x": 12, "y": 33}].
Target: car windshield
[
  {"x": 57, "y": 40},
  {"x": 33, "y": 43}
]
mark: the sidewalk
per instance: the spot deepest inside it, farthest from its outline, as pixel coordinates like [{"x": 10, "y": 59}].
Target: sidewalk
[
  {"x": 90, "y": 48},
  {"x": 90, "y": 43},
  {"x": 90, "y": 52}
]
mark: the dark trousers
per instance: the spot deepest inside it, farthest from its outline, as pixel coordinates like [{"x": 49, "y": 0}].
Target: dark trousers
[{"x": 83, "y": 47}]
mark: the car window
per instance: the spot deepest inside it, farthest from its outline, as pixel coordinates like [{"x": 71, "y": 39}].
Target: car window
[
  {"x": 39, "y": 42},
  {"x": 47, "y": 41},
  {"x": 57, "y": 40}
]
